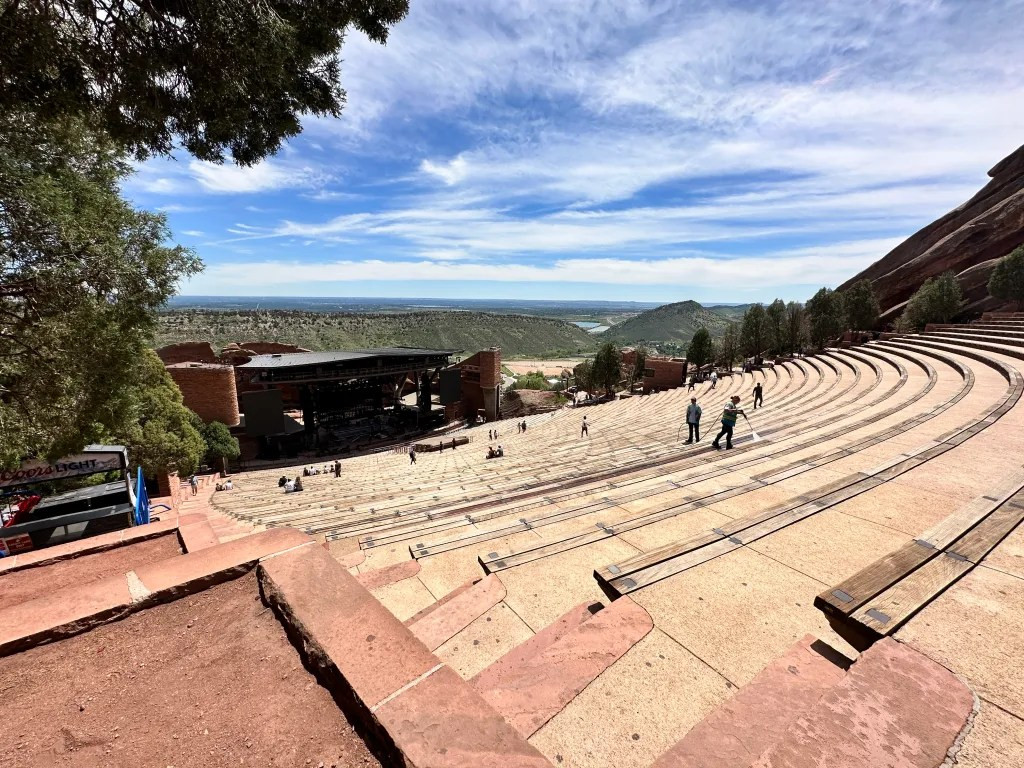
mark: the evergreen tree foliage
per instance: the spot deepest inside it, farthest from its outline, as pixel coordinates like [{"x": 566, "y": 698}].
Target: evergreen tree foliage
[
  {"x": 862, "y": 308},
  {"x": 936, "y": 301},
  {"x": 754, "y": 331},
  {"x": 701, "y": 350},
  {"x": 826, "y": 316},
  {"x": 607, "y": 368},
  {"x": 728, "y": 349},
  {"x": 796, "y": 328},
  {"x": 220, "y": 444},
  {"x": 1007, "y": 280},
  {"x": 776, "y": 326},
  {"x": 161, "y": 434},
  {"x": 82, "y": 274},
  {"x": 216, "y": 76},
  {"x": 583, "y": 373}
]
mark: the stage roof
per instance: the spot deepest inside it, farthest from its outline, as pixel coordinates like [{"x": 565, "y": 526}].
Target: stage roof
[{"x": 301, "y": 359}]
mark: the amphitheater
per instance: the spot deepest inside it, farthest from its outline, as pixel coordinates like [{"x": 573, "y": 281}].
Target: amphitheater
[
  {"x": 845, "y": 590},
  {"x": 612, "y": 595}
]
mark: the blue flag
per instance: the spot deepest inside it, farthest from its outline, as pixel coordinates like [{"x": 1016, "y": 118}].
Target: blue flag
[{"x": 141, "y": 501}]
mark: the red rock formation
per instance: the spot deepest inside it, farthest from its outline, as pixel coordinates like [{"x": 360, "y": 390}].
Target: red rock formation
[
  {"x": 187, "y": 352},
  {"x": 968, "y": 240},
  {"x": 271, "y": 347}
]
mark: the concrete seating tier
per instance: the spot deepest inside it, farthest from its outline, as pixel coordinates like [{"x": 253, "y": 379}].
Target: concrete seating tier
[{"x": 887, "y": 473}]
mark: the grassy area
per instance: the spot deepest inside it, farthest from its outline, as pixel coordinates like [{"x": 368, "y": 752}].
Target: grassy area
[{"x": 517, "y": 335}]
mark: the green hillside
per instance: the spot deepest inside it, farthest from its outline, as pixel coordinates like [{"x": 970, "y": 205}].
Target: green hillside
[
  {"x": 670, "y": 324},
  {"x": 729, "y": 311},
  {"x": 517, "y": 335}
]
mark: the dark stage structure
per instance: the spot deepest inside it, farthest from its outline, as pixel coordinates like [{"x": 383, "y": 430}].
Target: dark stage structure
[{"x": 344, "y": 398}]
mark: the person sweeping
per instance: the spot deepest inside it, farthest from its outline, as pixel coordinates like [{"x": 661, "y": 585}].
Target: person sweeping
[{"x": 729, "y": 415}]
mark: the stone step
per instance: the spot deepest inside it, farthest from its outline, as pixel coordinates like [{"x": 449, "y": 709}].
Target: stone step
[
  {"x": 895, "y": 707},
  {"x": 440, "y": 622},
  {"x": 389, "y": 574},
  {"x": 535, "y": 681},
  {"x": 741, "y": 729}
]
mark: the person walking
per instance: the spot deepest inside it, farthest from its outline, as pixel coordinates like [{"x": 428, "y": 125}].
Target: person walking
[
  {"x": 583, "y": 429},
  {"x": 693, "y": 382},
  {"x": 412, "y": 455},
  {"x": 693, "y": 412},
  {"x": 194, "y": 484},
  {"x": 714, "y": 379},
  {"x": 337, "y": 469},
  {"x": 758, "y": 395},
  {"x": 729, "y": 415}
]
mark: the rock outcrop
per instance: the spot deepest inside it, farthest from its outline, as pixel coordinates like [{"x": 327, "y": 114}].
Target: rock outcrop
[{"x": 968, "y": 240}]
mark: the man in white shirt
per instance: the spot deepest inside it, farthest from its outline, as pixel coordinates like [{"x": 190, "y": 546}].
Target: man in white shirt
[
  {"x": 289, "y": 487},
  {"x": 693, "y": 421}
]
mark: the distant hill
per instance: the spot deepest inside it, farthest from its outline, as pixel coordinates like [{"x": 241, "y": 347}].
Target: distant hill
[
  {"x": 729, "y": 311},
  {"x": 517, "y": 335},
  {"x": 671, "y": 324}
]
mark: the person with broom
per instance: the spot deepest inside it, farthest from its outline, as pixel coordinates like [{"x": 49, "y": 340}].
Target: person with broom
[{"x": 729, "y": 415}]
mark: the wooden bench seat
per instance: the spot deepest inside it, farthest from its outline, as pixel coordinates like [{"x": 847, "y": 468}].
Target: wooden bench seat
[{"x": 879, "y": 599}]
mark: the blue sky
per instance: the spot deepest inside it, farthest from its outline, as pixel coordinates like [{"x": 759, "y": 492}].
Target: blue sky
[{"x": 602, "y": 149}]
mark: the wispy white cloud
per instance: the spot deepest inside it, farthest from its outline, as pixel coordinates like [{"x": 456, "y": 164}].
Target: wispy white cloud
[
  {"x": 228, "y": 178},
  {"x": 532, "y": 139}
]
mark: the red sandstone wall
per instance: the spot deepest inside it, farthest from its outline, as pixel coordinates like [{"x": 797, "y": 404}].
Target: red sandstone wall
[
  {"x": 489, "y": 361},
  {"x": 667, "y": 373},
  {"x": 271, "y": 347},
  {"x": 187, "y": 352},
  {"x": 209, "y": 390}
]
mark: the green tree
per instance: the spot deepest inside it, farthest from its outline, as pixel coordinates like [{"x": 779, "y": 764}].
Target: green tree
[
  {"x": 775, "y": 321},
  {"x": 936, "y": 301},
  {"x": 639, "y": 363},
  {"x": 728, "y": 348},
  {"x": 1007, "y": 279},
  {"x": 862, "y": 308},
  {"x": 583, "y": 373},
  {"x": 161, "y": 435},
  {"x": 754, "y": 331},
  {"x": 220, "y": 444},
  {"x": 826, "y": 316},
  {"x": 701, "y": 350},
  {"x": 531, "y": 380},
  {"x": 607, "y": 370},
  {"x": 82, "y": 274},
  {"x": 796, "y": 327},
  {"x": 212, "y": 75}
]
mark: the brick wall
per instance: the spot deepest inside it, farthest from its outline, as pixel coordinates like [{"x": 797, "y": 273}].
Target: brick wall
[
  {"x": 665, "y": 373},
  {"x": 490, "y": 367},
  {"x": 209, "y": 390}
]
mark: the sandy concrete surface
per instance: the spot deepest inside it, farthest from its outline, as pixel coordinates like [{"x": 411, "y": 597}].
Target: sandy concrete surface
[
  {"x": 208, "y": 680},
  {"x": 739, "y": 612},
  {"x": 484, "y": 641},
  {"x": 25, "y": 584},
  {"x": 635, "y": 710},
  {"x": 976, "y": 628},
  {"x": 996, "y": 740},
  {"x": 547, "y": 367}
]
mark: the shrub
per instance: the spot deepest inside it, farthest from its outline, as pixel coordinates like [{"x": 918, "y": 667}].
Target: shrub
[
  {"x": 1007, "y": 280},
  {"x": 936, "y": 301}
]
